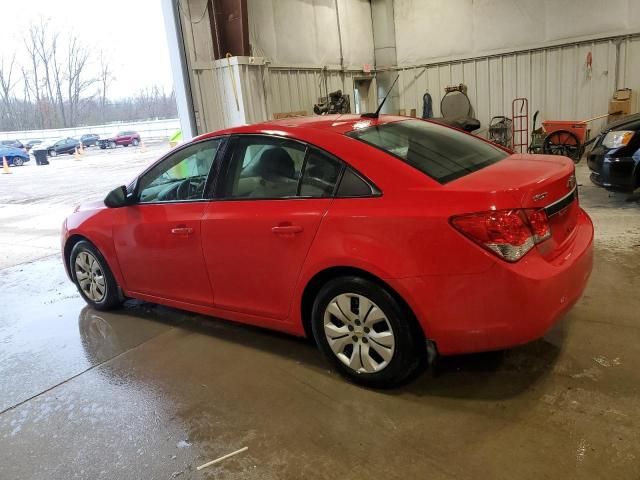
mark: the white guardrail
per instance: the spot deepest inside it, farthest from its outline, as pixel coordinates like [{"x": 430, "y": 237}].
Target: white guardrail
[{"x": 151, "y": 129}]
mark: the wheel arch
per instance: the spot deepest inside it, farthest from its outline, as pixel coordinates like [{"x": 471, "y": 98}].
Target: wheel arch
[
  {"x": 68, "y": 246},
  {"x": 74, "y": 239},
  {"x": 321, "y": 278}
]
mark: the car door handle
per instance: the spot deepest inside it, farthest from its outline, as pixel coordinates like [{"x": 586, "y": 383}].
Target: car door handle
[
  {"x": 182, "y": 230},
  {"x": 286, "y": 229}
]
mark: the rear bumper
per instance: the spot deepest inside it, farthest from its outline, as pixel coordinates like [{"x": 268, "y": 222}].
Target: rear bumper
[{"x": 508, "y": 305}]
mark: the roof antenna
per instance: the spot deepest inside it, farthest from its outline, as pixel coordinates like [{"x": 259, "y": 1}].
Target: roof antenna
[{"x": 376, "y": 114}]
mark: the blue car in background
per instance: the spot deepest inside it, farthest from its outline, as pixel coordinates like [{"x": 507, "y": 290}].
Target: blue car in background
[{"x": 14, "y": 156}]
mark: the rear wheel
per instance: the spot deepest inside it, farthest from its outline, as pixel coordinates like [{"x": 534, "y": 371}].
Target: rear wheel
[
  {"x": 135, "y": 142},
  {"x": 93, "y": 277},
  {"x": 18, "y": 161},
  {"x": 363, "y": 331},
  {"x": 53, "y": 153}
]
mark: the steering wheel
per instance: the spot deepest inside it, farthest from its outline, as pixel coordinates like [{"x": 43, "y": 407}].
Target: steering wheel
[{"x": 185, "y": 190}]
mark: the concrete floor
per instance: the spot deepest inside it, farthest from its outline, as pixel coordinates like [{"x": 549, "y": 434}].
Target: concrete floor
[{"x": 148, "y": 392}]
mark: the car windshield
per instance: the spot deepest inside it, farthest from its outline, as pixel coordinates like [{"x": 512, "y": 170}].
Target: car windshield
[{"x": 442, "y": 153}]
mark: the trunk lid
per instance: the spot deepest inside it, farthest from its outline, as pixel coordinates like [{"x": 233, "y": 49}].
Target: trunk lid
[{"x": 536, "y": 182}]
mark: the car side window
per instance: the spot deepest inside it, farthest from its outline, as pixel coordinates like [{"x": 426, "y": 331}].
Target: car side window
[
  {"x": 321, "y": 173},
  {"x": 181, "y": 176},
  {"x": 352, "y": 185},
  {"x": 264, "y": 167}
]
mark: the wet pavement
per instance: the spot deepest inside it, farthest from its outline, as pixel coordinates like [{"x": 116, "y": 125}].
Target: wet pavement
[{"x": 148, "y": 392}]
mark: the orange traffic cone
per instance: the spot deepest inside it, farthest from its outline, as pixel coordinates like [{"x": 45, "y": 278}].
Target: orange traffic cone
[
  {"x": 76, "y": 155},
  {"x": 143, "y": 147},
  {"x": 81, "y": 149},
  {"x": 5, "y": 166}
]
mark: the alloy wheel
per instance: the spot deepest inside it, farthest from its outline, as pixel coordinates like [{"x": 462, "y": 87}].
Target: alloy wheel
[
  {"x": 90, "y": 276},
  {"x": 359, "y": 333}
]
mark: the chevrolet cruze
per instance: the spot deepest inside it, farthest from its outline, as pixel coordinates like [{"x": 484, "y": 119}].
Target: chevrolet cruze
[{"x": 380, "y": 238}]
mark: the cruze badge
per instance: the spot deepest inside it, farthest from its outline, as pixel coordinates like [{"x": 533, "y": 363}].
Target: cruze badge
[
  {"x": 540, "y": 196},
  {"x": 571, "y": 183}
]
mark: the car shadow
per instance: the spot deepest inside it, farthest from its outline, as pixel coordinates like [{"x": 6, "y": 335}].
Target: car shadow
[
  {"x": 482, "y": 376},
  {"x": 490, "y": 375}
]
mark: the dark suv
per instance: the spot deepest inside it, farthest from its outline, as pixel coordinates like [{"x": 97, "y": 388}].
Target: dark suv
[
  {"x": 125, "y": 139},
  {"x": 89, "y": 139},
  {"x": 64, "y": 145},
  {"x": 614, "y": 160}
]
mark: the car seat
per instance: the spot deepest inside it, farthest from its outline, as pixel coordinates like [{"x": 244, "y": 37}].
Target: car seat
[{"x": 277, "y": 173}]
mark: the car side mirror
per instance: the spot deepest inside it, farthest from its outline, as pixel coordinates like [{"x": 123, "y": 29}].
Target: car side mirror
[{"x": 117, "y": 197}]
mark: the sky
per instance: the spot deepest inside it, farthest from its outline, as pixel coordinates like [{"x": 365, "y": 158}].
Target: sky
[{"x": 130, "y": 32}]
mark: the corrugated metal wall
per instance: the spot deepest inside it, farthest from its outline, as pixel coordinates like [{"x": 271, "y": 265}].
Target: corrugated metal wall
[
  {"x": 285, "y": 88},
  {"x": 554, "y": 79},
  {"x": 291, "y": 89}
]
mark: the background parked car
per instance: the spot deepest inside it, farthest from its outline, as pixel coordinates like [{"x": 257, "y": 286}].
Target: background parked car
[
  {"x": 15, "y": 156},
  {"x": 614, "y": 160},
  {"x": 29, "y": 144},
  {"x": 12, "y": 143},
  {"x": 125, "y": 139},
  {"x": 89, "y": 139},
  {"x": 64, "y": 145}
]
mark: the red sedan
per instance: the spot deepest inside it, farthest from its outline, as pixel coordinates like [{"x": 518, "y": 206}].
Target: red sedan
[{"x": 375, "y": 236}]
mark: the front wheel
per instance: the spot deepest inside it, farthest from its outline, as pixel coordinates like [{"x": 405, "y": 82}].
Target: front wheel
[
  {"x": 93, "y": 277},
  {"x": 18, "y": 162},
  {"x": 366, "y": 334},
  {"x": 53, "y": 153}
]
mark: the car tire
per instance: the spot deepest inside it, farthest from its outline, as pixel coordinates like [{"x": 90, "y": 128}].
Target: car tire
[
  {"x": 18, "y": 162},
  {"x": 125, "y": 144},
  {"x": 135, "y": 142},
  {"x": 112, "y": 144},
  {"x": 53, "y": 153},
  {"x": 382, "y": 351},
  {"x": 93, "y": 278}
]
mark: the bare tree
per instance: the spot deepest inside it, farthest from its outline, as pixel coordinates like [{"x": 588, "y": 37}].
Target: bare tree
[
  {"x": 105, "y": 79},
  {"x": 61, "y": 87},
  {"x": 78, "y": 81},
  {"x": 6, "y": 89},
  {"x": 31, "y": 46}
]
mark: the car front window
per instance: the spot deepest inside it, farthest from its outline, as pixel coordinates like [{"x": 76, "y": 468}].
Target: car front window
[{"x": 181, "y": 176}]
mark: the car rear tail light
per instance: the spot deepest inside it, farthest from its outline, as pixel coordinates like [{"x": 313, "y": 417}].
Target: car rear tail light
[
  {"x": 539, "y": 224},
  {"x": 510, "y": 234}
]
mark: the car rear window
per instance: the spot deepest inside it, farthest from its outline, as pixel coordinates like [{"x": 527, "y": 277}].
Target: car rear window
[{"x": 442, "y": 153}]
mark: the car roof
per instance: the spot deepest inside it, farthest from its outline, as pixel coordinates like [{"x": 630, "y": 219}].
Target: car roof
[{"x": 338, "y": 124}]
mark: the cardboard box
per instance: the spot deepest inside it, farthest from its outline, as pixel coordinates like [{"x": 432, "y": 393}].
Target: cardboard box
[
  {"x": 620, "y": 106},
  {"x": 623, "y": 94}
]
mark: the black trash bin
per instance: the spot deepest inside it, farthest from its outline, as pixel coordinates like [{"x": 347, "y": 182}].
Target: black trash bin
[{"x": 41, "y": 157}]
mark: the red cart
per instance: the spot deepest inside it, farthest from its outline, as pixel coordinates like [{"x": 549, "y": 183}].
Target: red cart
[{"x": 567, "y": 137}]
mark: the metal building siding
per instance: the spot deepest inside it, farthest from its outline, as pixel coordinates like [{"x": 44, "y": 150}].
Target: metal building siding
[
  {"x": 630, "y": 65},
  {"x": 554, "y": 80}
]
